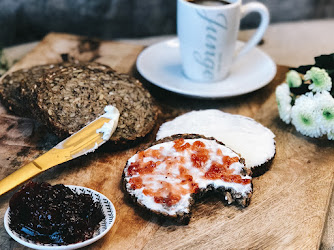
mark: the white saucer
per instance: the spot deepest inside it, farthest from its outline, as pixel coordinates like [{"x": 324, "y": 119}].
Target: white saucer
[{"x": 160, "y": 64}]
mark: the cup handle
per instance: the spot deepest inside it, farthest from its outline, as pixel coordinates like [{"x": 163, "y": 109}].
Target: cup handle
[{"x": 253, "y": 41}]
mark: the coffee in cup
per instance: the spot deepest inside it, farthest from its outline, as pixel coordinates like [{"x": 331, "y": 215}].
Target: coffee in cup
[{"x": 209, "y": 3}]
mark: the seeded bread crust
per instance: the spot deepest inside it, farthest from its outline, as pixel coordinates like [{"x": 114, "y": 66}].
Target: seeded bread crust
[
  {"x": 261, "y": 169},
  {"x": 14, "y": 88},
  {"x": 228, "y": 196}
]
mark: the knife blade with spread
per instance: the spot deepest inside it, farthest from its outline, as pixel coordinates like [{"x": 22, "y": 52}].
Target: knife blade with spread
[{"x": 86, "y": 140}]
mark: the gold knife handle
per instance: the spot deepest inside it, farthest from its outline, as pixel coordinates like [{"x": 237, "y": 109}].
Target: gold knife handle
[
  {"x": 19, "y": 176},
  {"x": 84, "y": 141}
]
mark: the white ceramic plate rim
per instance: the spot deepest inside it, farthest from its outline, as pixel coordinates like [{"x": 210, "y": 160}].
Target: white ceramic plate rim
[
  {"x": 14, "y": 235},
  {"x": 145, "y": 66}
]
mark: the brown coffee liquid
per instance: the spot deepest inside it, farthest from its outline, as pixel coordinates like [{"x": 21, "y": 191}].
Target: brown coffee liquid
[{"x": 209, "y": 2}]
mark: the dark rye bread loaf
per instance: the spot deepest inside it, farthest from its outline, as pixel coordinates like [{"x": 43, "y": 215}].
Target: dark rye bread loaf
[
  {"x": 71, "y": 96},
  {"x": 67, "y": 96},
  {"x": 138, "y": 188},
  {"x": 11, "y": 88}
]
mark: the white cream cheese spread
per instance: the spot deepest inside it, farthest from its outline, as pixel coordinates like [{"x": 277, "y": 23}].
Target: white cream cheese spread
[{"x": 109, "y": 128}]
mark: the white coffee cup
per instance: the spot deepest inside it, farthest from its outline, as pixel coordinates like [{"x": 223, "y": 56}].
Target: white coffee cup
[{"x": 208, "y": 35}]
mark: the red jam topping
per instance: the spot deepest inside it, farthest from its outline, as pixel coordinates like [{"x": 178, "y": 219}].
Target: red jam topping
[
  {"x": 170, "y": 200},
  {"x": 136, "y": 182},
  {"x": 180, "y": 146},
  {"x": 181, "y": 182},
  {"x": 141, "y": 168},
  {"x": 222, "y": 171}
]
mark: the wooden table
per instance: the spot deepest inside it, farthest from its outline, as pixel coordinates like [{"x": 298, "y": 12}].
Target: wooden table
[{"x": 289, "y": 204}]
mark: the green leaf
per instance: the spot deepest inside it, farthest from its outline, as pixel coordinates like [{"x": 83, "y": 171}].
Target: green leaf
[{"x": 323, "y": 61}]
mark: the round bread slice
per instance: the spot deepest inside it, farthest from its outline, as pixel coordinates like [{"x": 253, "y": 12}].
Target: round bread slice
[
  {"x": 242, "y": 134},
  {"x": 73, "y": 94},
  {"x": 15, "y": 84},
  {"x": 168, "y": 177}
]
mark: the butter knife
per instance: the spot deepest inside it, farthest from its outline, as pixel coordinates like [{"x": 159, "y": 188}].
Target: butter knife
[{"x": 82, "y": 142}]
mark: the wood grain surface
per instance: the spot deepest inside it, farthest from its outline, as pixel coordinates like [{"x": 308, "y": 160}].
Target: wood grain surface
[{"x": 289, "y": 204}]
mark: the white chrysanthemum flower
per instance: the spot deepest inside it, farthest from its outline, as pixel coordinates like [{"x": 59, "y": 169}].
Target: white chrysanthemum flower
[
  {"x": 283, "y": 99},
  {"x": 293, "y": 79},
  {"x": 320, "y": 79},
  {"x": 304, "y": 116},
  {"x": 325, "y": 111},
  {"x": 330, "y": 136}
]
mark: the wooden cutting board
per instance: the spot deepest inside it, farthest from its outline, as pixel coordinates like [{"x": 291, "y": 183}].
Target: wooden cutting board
[{"x": 289, "y": 204}]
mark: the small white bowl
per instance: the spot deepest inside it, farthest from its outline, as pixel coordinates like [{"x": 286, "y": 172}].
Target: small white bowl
[{"x": 108, "y": 210}]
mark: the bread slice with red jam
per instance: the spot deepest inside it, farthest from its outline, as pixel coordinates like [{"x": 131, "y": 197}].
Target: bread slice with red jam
[{"x": 168, "y": 177}]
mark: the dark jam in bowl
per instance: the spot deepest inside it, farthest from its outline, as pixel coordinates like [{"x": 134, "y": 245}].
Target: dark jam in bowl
[{"x": 53, "y": 214}]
